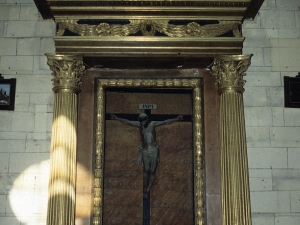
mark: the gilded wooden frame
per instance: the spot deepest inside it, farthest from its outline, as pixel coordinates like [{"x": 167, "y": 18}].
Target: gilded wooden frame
[{"x": 195, "y": 86}]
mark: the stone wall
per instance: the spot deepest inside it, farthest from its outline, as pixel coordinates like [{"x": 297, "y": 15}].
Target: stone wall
[
  {"x": 272, "y": 130},
  {"x": 25, "y": 133}
]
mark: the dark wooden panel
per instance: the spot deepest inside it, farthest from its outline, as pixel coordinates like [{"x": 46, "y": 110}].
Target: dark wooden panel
[
  {"x": 212, "y": 150},
  {"x": 172, "y": 192},
  {"x": 253, "y": 8}
]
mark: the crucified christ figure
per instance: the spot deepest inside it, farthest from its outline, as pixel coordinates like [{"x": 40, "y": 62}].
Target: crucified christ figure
[{"x": 149, "y": 151}]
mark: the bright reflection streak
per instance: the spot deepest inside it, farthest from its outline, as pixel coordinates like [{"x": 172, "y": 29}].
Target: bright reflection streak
[
  {"x": 63, "y": 165},
  {"x": 62, "y": 126},
  {"x": 29, "y": 194}
]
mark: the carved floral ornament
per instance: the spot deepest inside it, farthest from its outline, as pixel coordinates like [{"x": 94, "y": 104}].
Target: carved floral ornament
[
  {"x": 229, "y": 71},
  {"x": 67, "y": 71},
  {"x": 150, "y": 28}
]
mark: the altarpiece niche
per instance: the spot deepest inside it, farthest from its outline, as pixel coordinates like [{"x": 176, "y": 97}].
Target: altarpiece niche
[{"x": 176, "y": 196}]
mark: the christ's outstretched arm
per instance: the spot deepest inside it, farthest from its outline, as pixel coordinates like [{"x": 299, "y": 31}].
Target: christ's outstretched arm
[
  {"x": 167, "y": 122},
  {"x": 125, "y": 121}
]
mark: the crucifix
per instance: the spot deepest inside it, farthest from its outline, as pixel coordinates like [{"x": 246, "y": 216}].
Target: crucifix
[{"x": 149, "y": 151}]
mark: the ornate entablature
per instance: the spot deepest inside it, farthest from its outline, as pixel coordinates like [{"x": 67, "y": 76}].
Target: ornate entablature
[{"x": 149, "y": 28}]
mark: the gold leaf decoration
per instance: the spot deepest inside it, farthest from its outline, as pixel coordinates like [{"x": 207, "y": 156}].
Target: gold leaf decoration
[{"x": 150, "y": 28}]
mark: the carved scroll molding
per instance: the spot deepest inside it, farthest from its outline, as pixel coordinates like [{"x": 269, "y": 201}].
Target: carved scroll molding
[
  {"x": 229, "y": 71},
  {"x": 149, "y": 28},
  {"x": 193, "y": 84}
]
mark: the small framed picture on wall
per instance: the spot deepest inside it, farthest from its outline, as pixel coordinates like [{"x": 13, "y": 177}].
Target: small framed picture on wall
[{"x": 7, "y": 94}]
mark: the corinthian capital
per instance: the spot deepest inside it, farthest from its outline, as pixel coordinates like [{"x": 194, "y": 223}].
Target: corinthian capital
[
  {"x": 67, "y": 71},
  {"x": 229, "y": 71}
]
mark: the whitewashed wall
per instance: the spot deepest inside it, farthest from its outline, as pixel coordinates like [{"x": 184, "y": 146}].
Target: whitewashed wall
[
  {"x": 25, "y": 133},
  {"x": 272, "y": 131}
]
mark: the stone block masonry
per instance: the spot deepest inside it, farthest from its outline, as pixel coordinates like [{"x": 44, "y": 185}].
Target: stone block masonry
[
  {"x": 272, "y": 130},
  {"x": 25, "y": 133}
]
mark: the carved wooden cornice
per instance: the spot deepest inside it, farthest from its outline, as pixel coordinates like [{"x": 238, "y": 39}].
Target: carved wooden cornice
[
  {"x": 175, "y": 3},
  {"x": 144, "y": 9}
]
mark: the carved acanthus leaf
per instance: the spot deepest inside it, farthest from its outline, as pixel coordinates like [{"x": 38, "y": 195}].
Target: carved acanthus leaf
[
  {"x": 67, "y": 73},
  {"x": 229, "y": 73}
]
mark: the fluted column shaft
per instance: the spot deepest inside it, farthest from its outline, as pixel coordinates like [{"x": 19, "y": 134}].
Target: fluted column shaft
[
  {"x": 229, "y": 71},
  {"x": 67, "y": 71}
]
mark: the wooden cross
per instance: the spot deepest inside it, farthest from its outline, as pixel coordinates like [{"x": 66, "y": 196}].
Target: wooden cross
[{"x": 152, "y": 117}]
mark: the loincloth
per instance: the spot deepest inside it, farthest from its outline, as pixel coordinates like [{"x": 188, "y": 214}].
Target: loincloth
[{"x": 149, "y": 155}]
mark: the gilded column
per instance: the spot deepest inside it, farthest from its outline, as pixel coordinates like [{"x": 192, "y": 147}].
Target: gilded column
[
  {"x": 229, "y": 71},
  {"x": 67, "y": 72}
]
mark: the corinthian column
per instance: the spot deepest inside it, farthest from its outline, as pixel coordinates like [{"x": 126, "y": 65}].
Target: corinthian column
[
  {"x": 67, "y": 71},
  {"x": 229, "y": 71}
]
